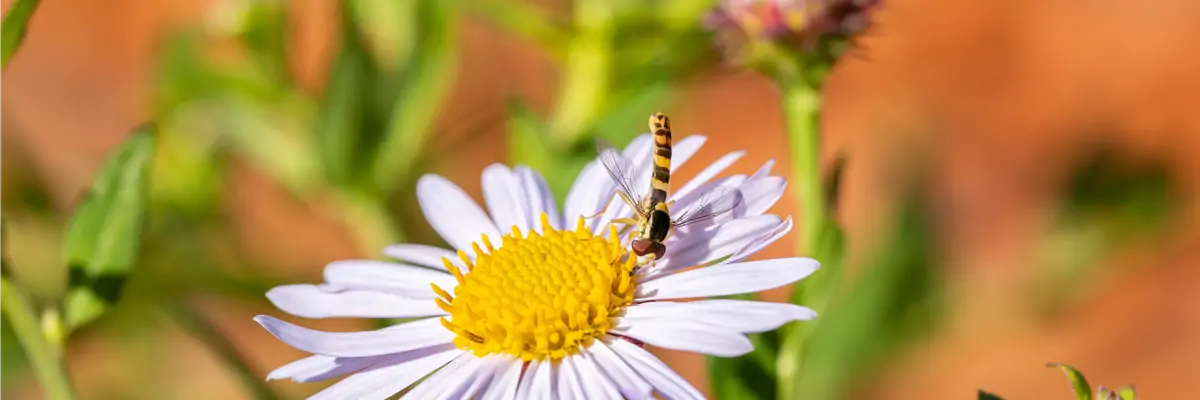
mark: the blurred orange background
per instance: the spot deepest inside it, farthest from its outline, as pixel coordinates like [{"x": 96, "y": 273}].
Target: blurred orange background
[{"x": 1015, "y": 89}]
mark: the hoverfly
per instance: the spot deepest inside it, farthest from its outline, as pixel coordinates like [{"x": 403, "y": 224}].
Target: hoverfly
[{"x": 652, "y": 214}]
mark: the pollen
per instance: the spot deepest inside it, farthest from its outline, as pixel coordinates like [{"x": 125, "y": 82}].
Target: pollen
[{"x": 538, "y": 296}]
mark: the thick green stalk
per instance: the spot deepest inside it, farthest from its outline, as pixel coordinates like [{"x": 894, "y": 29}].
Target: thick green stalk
[
  {"x": 45, "y": 360},
  {"x": 801, "y": 109}
]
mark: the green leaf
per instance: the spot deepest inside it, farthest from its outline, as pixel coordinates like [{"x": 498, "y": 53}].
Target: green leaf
[
  {"x": 525, "y": 20},
  {"x": 1083, "y": 391},
  {"x": 1126, "y": 393},
  {"x": 894, "y": 301},
  {"x": 265, "y": 35},
  {"x": 751, "y": 376},
  {"x": 339, "y": 126},
  {"x": 13, "y": 29},
  {"x": 389, "y": 29},
  {"x": 425, "y": 83},
  {"x": 988, "y": 396},
  {"x": 104, "y": 234}
]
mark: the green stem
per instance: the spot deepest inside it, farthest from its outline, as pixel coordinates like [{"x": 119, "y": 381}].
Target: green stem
[
  {"x": 802, "y": 108},
  {"x": 203, "y": 330},
  {"x": 47, "y": 366}
]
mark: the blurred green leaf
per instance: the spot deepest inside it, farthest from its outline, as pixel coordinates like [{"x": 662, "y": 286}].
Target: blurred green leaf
[
  {"x": 265, "y": 35},
  {"x": 104, "y": 234},
  {"x": 894, "y": 301},
  {"x": 388, "y": 28},
  {"x": 1083, "y": 391},
  {"x": 524, "y": 20},
  {"x": 1126, "y": 393},
  {"x": 425, "y": 81},
  {"x": 751, "y": 376},
  {"x": 988, "y": 396},
  {"x": 1130, "y": 197},
  {"x": 14, "y": 26},
  {"x": 527, "y": 143},
  {"x": 343, "y": 111}
]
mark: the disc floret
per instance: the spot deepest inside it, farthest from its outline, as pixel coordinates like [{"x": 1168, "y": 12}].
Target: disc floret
[{"x": 538, "y": 296}]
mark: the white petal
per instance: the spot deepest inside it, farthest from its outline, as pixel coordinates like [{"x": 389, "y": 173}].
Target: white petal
[
  {"x": 699, "y": 247},
  {"x": 761, "y": 242},
  {"x": 733, "y": 315},
  {"x": 444, "y": 380},
  {"x": 708, "y": 173},
  {"x": 489, "y": 375},
  {"x": 309, "y": 301},
  {"x": 383, "y": 380},
  {"x": 763, "y": 171},
  {"x": 425, "y": 256},
  {"x": 405, "y": 280},
  {"x": 683, "y": 151},
  {"x": 665, "y": 381},
  {"x": 727, "y": 279},
  {"x": 536, "y": 382},
  {"x": 631, "y": 385},
  {"x": 453, "y": 214},
  {"x": 761, "y": 194},
  {"x": 505, "y": 198},
  {"x": 685, "y": 334},
  {"x": 595, "y": 383},
  {"x": 404, "y": 337},
  {"x": 686, "y": 202},
  {"x": 590, "y": 192},
  {"x": 539, "y": 199},
  {"x": 458, "y": 381},
  {"x": 638, "y": 152},
  {"x": 504, "y": 386},
  {"x": 319, "y": 368},
  {"x": 567, "y": 382}
]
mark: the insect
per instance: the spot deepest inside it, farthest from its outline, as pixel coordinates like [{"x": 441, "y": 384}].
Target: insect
[{"x": 652, "y": 214}]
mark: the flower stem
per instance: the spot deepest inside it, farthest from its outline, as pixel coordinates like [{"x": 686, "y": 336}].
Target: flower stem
[
  {"x": 802, "y": 108},
  {"x": 44, "y": 359}
]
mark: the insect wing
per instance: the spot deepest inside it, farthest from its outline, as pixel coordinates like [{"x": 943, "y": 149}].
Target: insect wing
[
  {"x": 620, "y": 169},
  {"x": 712, "y": 204}
]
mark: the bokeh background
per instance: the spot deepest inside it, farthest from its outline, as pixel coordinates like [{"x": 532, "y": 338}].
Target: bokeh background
[{"x": 1059, "y": 154}]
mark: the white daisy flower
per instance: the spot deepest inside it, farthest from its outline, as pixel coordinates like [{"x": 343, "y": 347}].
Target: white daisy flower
[{"x": 544, "y": 311}]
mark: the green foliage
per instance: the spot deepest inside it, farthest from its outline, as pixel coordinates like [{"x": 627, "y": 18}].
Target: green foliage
[
  {"x": 1109, "y": 203},
  {"x": 1122, "y": 393},
  {"x": 1083, "y": 391},
  {"x": 988, "y": 396},
  {"x": 344, "y": 110},
  {"x": 891, "y": 303},
  {"x": 104, "y": 234},
  {"x": 752, "y": 376},
  {"x": 12, "y": 32},
  {"x": 424, "y": 80}
]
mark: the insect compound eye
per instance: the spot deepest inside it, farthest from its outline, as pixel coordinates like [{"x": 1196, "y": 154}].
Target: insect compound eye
[
  {"x": 641, "y": 247},
  {"x": 659, "y": 251}
]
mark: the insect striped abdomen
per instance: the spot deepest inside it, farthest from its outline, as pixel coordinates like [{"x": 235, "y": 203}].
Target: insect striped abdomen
[{"x": 660, "y": 181}]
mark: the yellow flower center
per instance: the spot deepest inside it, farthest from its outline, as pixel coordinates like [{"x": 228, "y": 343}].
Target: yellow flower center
[{"x": 538, "y": 296}]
